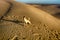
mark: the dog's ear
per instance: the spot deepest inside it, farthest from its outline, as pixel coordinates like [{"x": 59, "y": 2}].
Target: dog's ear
[{"x": 23, "y": 16}]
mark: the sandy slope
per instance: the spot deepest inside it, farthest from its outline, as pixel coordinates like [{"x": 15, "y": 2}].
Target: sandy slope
[
  {"x": 44, "y": 26},
  {"x": 3, "y": 7},
  {"x": 51, "y": 9}
]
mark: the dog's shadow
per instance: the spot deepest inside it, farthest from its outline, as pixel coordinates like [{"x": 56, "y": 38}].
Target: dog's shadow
[{"x": 15, "y": 21}]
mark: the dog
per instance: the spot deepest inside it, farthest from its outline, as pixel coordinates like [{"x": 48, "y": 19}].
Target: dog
[{"x": 26, "y": 20}]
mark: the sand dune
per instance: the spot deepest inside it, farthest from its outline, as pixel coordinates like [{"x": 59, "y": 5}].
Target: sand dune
[
  {"x": 3, "y": 7},
  {"x": 44, "y": 26},
  {"x": 51, "y": 9}
]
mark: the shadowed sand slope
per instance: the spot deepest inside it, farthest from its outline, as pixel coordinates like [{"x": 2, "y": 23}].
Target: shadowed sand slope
[
  {"x": 44, "y": 26},
  {"x": 3, "y": 7}
]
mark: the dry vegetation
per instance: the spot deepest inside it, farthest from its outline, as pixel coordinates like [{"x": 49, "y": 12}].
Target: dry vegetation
[{"x": 44, "y": 26}]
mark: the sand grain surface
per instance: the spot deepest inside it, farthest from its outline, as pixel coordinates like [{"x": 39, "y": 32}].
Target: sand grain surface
[{"x": 44, "y": 26}]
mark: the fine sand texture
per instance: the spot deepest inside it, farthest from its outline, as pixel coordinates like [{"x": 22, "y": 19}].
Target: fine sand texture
[{"x": 43, "y": 25}]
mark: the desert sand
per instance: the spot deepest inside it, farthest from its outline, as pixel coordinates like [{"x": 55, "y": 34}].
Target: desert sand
[
  {"x": 44, "y": 26},
  {"x": 52, "y": 9}
]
